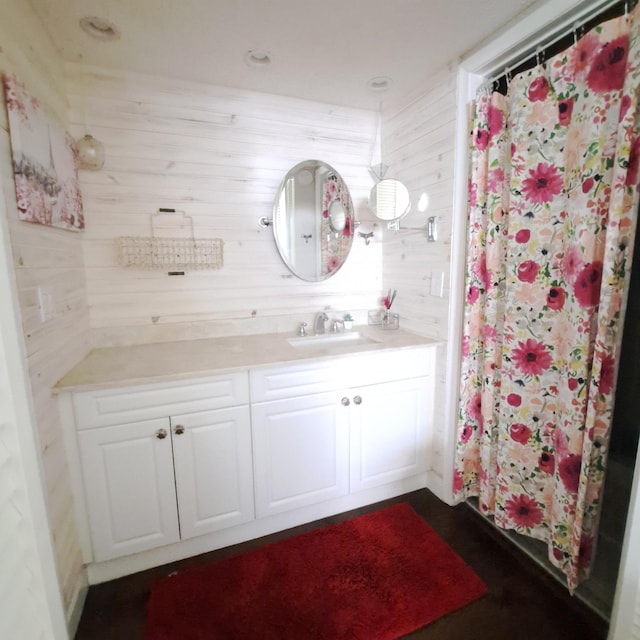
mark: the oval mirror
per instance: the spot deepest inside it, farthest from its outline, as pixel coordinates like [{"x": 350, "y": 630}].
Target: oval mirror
[
  {"x": 313, "y": 220},
  {"x": 389, "y": 200}
]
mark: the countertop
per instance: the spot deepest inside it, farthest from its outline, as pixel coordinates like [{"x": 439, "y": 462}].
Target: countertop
[{"x": 158, "y": 362}]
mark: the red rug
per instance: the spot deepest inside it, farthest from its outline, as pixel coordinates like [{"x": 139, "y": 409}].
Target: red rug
[{"x": 375, "y": 577}]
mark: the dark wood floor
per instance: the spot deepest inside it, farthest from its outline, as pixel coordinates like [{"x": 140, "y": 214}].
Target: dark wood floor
[{"x": 523, "y": 602}]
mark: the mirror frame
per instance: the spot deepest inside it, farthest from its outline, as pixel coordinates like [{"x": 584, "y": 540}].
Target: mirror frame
[{"x": 319, "y": 183}]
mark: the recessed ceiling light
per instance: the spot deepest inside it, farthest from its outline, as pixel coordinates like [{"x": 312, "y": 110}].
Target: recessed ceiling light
[
  {"x": 99, "y": 28},
  {"x": 379, "y": 84},
  {"x": 257, "y": 58}
]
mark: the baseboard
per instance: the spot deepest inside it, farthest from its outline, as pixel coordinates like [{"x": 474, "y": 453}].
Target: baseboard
[
  {"x": 74, "y": 612},
  {"x": 438, "y": 488}
]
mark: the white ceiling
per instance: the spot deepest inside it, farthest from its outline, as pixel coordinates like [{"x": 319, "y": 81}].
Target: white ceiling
[{"x": 324, "y": 51}]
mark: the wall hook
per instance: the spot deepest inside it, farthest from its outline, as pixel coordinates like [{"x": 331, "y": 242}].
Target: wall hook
[
  {"x": 265, "y": 222},
  {"x": 367, "y": 236}
]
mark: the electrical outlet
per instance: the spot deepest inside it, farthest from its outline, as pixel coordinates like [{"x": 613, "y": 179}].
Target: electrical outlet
[
  {"x": 437, "y": 284},
  {"x": 46, "y": 304}
]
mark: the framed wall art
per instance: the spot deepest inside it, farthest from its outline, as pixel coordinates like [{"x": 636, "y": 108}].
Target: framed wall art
[{"x": 44, "y": 162}]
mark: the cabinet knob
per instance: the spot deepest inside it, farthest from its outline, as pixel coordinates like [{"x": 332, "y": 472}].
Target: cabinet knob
[
  {"x": 358, "y": 400},
  {"x": 179, "y": 430},
  {"x": 161, "y": 434},
  {"x": 345, "y": 401}
]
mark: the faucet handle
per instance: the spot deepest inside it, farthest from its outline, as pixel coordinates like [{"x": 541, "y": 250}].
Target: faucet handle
[{"x": 302, "y": 329}]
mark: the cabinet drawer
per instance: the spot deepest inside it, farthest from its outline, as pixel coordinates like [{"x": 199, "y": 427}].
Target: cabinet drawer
[
  {"x": 386, "y": 366},
  {"x": 300, "y": 379},
  {"x": 143, "y": 402}
]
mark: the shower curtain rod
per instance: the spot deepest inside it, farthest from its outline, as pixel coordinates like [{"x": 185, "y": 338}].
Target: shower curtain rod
[{"x": 532, "y": 55}]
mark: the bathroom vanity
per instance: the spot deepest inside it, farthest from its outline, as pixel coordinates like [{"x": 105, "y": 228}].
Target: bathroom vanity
[{"x": 179, "y": 448}]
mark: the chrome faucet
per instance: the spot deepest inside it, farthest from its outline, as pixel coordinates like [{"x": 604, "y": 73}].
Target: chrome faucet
[{"x": 321, "y": 318}]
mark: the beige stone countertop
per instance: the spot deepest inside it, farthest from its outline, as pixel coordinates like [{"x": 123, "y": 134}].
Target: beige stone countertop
[{"x": 159, "y": 362}]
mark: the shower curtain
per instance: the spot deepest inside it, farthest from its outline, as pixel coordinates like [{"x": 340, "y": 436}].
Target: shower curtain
[{"x": 552, "y": 200}]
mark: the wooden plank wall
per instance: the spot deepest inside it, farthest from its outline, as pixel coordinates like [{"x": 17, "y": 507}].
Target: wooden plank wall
[
  {"x": 23, "y": 602},
  {"x": 218, "y": 154},
  {"x": 51, "y": 258},
  {"x": 419, "y": 142}
]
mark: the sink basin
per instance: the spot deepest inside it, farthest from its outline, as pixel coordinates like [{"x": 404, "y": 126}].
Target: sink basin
[{"x": 348, "y": 338}]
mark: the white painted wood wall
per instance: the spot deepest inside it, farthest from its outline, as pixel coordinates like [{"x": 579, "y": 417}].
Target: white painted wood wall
[
  {"x": 419, "y": 144},
  {"x": 51, "y": 258},
  {"x": 30, "y": 600},
  {"x": 22, "y": 592},
  {"x": 218, "y": 154}
]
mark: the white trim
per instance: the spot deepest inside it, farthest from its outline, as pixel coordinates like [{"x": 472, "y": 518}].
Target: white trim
[
  {"x": 537, "y": 28},
  {"x": 20, "y": 405},
  {"x": 76, "y": 607},
  {"x": 467, "y": 85}
]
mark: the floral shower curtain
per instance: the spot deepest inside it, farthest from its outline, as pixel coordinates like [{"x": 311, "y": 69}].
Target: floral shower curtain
[
  {"x": 334, "y": 246},
  {"x": 552, "y": 206}
]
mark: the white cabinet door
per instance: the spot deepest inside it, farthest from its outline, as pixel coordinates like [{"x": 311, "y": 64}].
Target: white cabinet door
[
  {"x": 301, "y": 452},
  {"x": 389, "y": 428},
  {"x": 130, "y": 489},
  {"x": 213, "y": 467}
]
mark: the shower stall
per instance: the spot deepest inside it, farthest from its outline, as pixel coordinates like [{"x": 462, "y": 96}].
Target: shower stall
[
  {"x": 616, "y": 452},
  {"x": 599, "y": 590}
]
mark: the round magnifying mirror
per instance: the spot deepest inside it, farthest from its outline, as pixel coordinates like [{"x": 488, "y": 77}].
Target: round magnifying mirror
[
  {"x": 389, "y": 200},
  {"x": 337, "y": 216}
]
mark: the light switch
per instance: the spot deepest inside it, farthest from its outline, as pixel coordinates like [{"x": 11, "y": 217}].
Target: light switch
[
  {"x": 437, "y": 284},
  {"x": 45, "y": 302}
]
